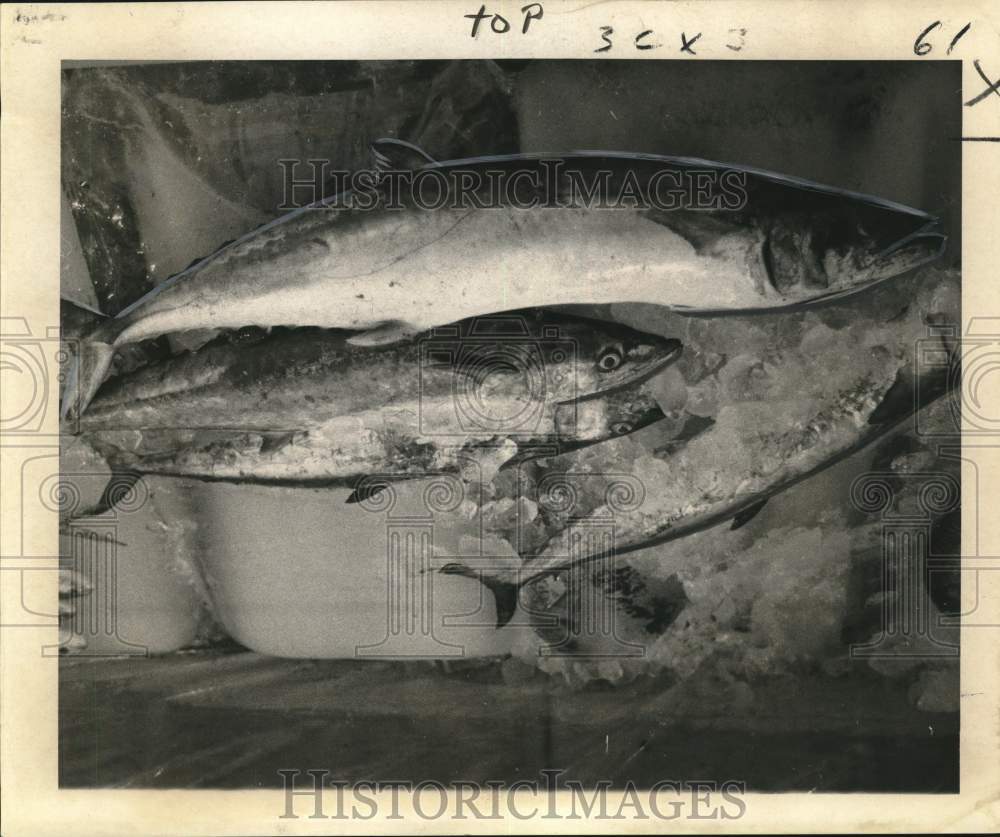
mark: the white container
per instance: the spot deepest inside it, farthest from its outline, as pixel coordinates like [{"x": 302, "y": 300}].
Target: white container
[{"x": 296, "y": 572}]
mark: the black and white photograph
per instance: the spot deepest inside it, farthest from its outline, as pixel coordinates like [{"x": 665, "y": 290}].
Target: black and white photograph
[
  {"x": 450, "y": 429},
  {"x": 569, "y": 460}
]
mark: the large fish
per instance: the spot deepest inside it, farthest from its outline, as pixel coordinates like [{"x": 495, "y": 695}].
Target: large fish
[
  {"x": 623, "y": 497},
  {"x": 530, "y": 230},
  {"x": 305, "y": 407}
]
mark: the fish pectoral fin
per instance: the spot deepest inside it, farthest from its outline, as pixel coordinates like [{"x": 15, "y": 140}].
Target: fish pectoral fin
[
  {"x": 505, "y": 593},
  {"x": 749, "y": 513},
  {"x": 384, "y": 334},
  {"x": 398, "y": 155}
]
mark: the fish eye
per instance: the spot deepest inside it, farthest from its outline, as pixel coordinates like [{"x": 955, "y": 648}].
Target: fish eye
[
  {"x": 620, "y": 428},
  {"x": 610, "y": 359}
]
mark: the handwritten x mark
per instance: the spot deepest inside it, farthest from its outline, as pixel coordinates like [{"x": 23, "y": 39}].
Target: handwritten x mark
[{"x": 994, "y": 86}]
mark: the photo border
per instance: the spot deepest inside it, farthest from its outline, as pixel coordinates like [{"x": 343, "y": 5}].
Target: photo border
[{"x": 37, "y": 39}]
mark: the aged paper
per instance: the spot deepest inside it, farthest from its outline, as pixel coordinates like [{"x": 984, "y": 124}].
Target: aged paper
[{"x": 203, "y": 121}]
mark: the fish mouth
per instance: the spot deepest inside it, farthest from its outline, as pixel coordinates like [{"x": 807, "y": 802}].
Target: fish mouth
[
  {"x": 919, "y": 247},
  {"x": 917, "y": 241},
  {"x": 674, "y": 349}
]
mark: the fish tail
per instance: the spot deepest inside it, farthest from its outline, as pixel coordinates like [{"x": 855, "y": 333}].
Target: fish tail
[
  {"x": 86, "y": 373},
  {"x": 121, "y": 484},
  {"x": 505, "y": 593},
  {"x": 120, "y": 487}
]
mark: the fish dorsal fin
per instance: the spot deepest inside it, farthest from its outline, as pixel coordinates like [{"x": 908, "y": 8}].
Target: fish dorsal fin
[
  {"x": 399, "y": 155},
  {"x": 73, "y": 304}
]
